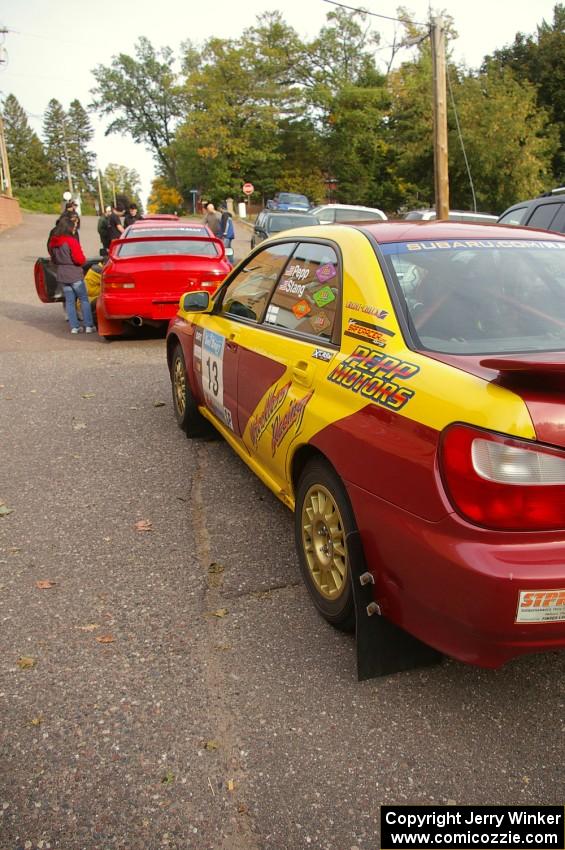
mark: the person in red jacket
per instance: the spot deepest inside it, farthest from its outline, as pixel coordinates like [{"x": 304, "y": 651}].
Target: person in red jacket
[{"x": 66, "y": 253}]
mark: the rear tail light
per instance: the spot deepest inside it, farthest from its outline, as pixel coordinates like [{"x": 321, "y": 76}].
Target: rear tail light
[
  {"x": 502, "y": 482},
  {"x": 117, "y": 281}
]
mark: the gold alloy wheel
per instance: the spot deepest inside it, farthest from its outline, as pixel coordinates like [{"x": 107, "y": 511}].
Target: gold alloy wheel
[
  {"x": 323, "y": 541},
  {"x": 179, "y": 384}
]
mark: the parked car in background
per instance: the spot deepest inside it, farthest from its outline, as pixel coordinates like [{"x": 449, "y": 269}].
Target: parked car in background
[
  {"x": 400, "y": 384},
  {"x": 546, "y": 212},
  {"x": 145, "y": 275},
  {"x": 289, "y": 201},
  {"x": 330, "y": 213},
  {"x": 464, "y": 216},
  {"x": 269, "y": 222}
]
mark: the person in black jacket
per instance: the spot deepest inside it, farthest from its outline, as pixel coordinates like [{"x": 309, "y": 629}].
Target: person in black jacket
[{"x": 132, "y": 215}]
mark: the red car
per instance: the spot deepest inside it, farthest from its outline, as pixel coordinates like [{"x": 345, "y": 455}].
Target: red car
[{"x": 151, "y": 267}]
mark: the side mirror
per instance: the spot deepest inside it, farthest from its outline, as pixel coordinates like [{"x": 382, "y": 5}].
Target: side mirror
[{"x": 195, "y": 302}]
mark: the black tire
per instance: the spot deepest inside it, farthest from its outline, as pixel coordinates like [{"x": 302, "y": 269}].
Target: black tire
[
  {"x": 322, "y": 518},
  {"x": 188, "y": 417}
]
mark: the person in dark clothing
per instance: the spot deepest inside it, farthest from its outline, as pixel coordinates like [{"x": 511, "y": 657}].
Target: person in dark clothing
[
  {"x": 66, "y": 253},
  {"x": 227, "y": 231},
  {"x": 115, "y": 226},
  {"x": 70, "y": 212},
  {"x": 212, "y": 220},
  {"x": 132, "y": 215},
  {"x": 103, "y": 231}
]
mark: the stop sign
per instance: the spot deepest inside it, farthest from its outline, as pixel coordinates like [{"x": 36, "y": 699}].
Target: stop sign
[{"x": 248, "y": 188}]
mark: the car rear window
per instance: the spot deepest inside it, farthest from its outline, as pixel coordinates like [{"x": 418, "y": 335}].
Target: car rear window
[
  {"x": 472, "y": 296},
  {"x": 135, "y": 232},
  {"x": 277, "y": 223},
  {"x": 289, "y": 198},
  {"x": 178, "y": 247}
]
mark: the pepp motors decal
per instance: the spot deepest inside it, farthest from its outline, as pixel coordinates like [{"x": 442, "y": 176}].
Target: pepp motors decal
[
  {"x": 541, "y": 606},
  {"x": 376, "y": 376},
  {"x": 368, "y": 332}
]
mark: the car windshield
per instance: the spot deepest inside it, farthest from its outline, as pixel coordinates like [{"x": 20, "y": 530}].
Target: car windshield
[
  {"x": 482, "y": 296},
  {"x": 289, "y": 198},
  {"x": 285, "y": 222},
  {"x": 135, "y": 232},
  {"x": 184, "y": 247}
]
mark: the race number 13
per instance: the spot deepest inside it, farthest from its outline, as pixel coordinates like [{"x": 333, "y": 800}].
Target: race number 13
[{"x": 213, "y": 369}]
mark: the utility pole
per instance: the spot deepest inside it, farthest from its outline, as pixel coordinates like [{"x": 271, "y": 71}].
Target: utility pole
[
  {"x": 441, "y": 175},
  {"x": 4, "y": 160},
  {"x": 100, "y": 195}
]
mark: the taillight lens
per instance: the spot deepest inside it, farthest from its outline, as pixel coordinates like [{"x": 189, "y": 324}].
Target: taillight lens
[
  {"x": 117, "y": 281},
  {"x": 502, "y": 482}
]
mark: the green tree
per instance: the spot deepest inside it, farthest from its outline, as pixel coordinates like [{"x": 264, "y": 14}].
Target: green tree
[
  {"x": 28, "y": 162},
  {"x": 508, "y": 139},
  {"x": 540, "y": 59},
  {"x": 56, "y": 135},
  {"x": 142, "y": 97},
  {"x": 81, "y": 159},
  {"x": 122, "y": 183}
]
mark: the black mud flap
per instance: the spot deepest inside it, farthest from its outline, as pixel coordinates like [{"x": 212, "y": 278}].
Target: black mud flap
[{"x": 382, "y": 647}]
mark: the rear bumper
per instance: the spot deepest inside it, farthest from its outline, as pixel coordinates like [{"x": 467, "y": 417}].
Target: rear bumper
[
  {"x": 126, "y": 306},
  {"x": 457, "y": 587}
]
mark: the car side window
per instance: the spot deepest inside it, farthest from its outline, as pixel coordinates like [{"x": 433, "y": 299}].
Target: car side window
[
  {"x": 543, "y": 216},
  {"x": 247, "y": 294},
  {"x": 514, "y": 216},
  {"x": 306, "y": 297}
]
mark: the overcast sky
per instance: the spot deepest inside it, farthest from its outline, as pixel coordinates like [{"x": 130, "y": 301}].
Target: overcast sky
[{"x": 52, "y": 47}]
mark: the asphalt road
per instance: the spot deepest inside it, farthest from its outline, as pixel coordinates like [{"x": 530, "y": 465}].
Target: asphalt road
[{"x": 180, "y": 691}]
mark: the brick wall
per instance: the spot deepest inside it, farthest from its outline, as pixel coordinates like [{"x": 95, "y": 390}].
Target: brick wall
[{"x": 10, "y": 213}]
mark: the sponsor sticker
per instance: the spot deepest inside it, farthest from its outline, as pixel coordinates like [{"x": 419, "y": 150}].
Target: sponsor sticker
[
  {"x": 291, "y": 287},
  {"x": 366, "y": 331},
  {"x": 326, "y": 272},
  {"x": 323, "y": 296},
  {"x": 297, "y": 272},
  {"x": 272, "y": 314},
  {"x": 301, "y": 309},
  {"x": 320, "y": 322},
  {"x": 281, "y": 425},
  {"x": 322, "y": 354},
  {"x": 274, "y": 399},
  {"x": 376, "y": 376},
  {"x": 367, "y": 308},
  {"x": 541, "y": 606}
]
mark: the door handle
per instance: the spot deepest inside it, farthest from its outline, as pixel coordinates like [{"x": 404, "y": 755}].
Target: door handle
[{"x": 303, "y": 373}]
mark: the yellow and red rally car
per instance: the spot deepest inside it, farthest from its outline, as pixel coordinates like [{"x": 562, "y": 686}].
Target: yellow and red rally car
[{"x": 401, "y": 385}]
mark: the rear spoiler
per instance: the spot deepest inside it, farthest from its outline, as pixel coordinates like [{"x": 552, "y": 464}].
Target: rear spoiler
[
  {"x": 538, "y": 363},
  {"x": 116, "y": 242}
]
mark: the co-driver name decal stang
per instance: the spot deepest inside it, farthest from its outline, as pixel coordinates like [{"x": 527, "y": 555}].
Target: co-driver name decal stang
[{"x": 375, "y": 376}]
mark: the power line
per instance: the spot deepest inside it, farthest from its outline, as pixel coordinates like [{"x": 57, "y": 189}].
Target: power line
[{"x": 375, "y": 14}]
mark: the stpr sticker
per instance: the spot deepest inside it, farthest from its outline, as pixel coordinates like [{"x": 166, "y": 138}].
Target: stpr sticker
[{"x": 541, "y": 606}]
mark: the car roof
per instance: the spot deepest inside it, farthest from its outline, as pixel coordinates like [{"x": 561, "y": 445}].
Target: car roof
[
  {"x": 285, "y": 212},
  {"x": 408, "y": 231}
]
